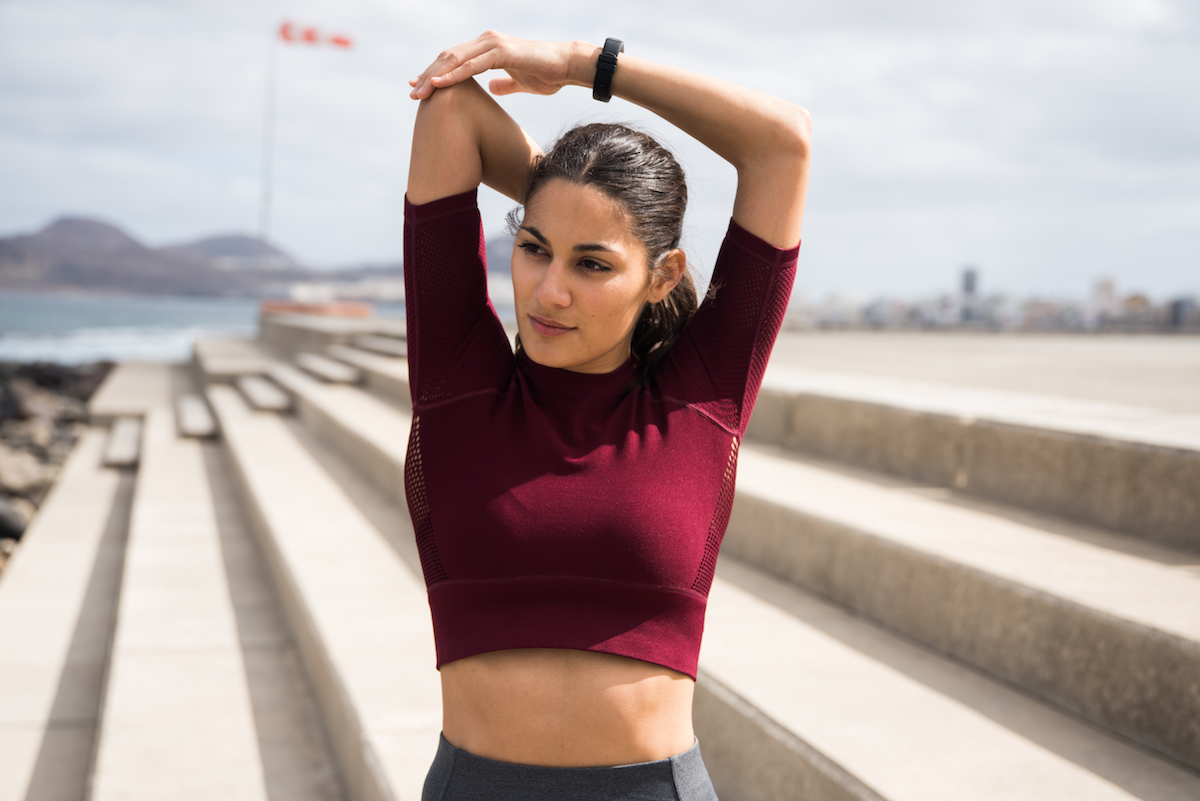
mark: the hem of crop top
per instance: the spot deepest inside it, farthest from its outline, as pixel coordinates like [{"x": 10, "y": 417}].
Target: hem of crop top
[{"x": 661, "y": 625}]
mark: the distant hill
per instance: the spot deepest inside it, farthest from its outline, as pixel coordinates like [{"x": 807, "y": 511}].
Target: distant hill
[
  {"x": 499, "y": 254},
  {"x": 78, "y": 253},
  {"x": 232, "y": 252}
]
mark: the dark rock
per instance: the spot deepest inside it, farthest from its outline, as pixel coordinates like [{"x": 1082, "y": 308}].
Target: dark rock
[
  {"x": 12, "y": 522},
  {"x": 21, "y": 473}
]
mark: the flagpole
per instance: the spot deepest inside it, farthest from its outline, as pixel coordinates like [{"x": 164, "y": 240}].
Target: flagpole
[{"x": 268, "y": 147}]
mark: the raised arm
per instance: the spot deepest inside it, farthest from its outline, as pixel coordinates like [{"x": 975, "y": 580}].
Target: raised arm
[
  {"x": 461, "y": 139},
  {"x": 766, "y": 139}
]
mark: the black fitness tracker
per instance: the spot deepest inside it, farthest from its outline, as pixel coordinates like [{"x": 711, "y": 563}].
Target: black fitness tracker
[{"x": 606, "y": 65}]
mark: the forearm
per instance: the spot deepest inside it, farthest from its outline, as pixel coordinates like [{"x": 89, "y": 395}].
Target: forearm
[
  {"x": 463, "y": 138},
  {"x": 765, "y": 138},
  {"x": 741, "y": 125}
]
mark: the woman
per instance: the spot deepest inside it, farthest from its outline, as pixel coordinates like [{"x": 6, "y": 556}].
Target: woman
[{"x": 569, "y": 500}]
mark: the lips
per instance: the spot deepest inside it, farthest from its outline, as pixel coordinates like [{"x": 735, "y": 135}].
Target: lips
[{"x": 547, "y": 327}]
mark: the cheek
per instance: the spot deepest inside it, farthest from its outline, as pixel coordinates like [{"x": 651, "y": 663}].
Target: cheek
[{"x": 621, "y": 303}]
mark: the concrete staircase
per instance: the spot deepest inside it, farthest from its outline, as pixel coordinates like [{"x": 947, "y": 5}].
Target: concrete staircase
[{"x": 888, "y": 622}]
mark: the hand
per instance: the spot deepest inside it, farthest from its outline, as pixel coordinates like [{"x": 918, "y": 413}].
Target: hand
[{"x": 540, "y": 68}]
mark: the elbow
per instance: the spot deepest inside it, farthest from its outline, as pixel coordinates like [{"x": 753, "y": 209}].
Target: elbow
[
  {"x": 795, "y": 131},
  {"x": 783, "y": 141}
]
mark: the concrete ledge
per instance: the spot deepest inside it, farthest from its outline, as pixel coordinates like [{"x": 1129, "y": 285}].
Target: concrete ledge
[
  {"x": 740, "y": 653},
  {"x": 359, "y": 615},
  {"x": 58, "y": 603},
  {"x": 385, "y": 346},
  {"x": 1149, "y": 491},
  {"x": 193, "y": 419},
  {"x": 328, "y": 370},
  {"x": 367, "y": 431},
  {"x": 289, "y": 334},
  {"x": 1111, "y": 635},
  {"x": 853, "y": 711},
  {"x": 386, "y": 376},
  {"x": 131, "y": 388},
  {"x": 264, "y": 394},
  {"x": 752, "y": 758},
  {"x": 1130, "y": 470},
  {"x": 178, "y": 719},
  {"x": 124, "y": 442},
  {"x": 223, "y": 361}
]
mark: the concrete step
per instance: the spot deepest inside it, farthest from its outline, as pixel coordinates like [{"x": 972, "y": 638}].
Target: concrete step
[
  {"x": 124, "y": 443},
  {"x": 357, "y": 609},
  {"x": 264, "y": 394},
  {"x": 290, "y": 333},
  {"x": 58, "y": 601},
  {"x": 1099, "y": 624},
  {"x": 1105, "y": 626},
  {"x": 224, "y": 361},
  {"x": 327, "y": 369},
  {"x": 132, "y": 387},
  {"x": 764, "y": 747},
  {"x": 192, "y": 417},
  {"x": 799, "y": 699},
  {"x": 386, "y": 376},
  {"x": 385, "y": 346},
  {"x": 1128, "y": 469},
  {"x": 368, "y": 431},
  {"x": 204, "y": 699}
]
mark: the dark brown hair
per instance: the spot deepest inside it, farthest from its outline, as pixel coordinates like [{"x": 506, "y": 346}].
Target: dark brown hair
[{"x": 632, "y": 168}]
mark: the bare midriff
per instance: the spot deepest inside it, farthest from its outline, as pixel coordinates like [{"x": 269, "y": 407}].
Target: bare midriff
[{"x": 564, "y": 708}]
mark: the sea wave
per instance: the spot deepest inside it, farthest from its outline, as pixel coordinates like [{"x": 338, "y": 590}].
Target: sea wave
[{"x": 142, "y": 343}]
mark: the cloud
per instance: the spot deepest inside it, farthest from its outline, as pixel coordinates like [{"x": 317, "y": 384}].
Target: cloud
[{"x": 1048, "y": 141}]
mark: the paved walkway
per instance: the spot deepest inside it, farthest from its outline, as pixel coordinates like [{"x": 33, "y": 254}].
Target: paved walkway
[{"x": 1159, "y": 372}]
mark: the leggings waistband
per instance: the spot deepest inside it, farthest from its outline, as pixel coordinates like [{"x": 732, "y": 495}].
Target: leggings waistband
[{"x": 457, "y": 775}]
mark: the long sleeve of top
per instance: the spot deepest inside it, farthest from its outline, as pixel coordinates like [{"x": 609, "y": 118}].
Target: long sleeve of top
[{"x": 556, "y": 509}]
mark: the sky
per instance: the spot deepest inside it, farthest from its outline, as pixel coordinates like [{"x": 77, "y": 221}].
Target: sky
[{"x": 1047, "y": 143}]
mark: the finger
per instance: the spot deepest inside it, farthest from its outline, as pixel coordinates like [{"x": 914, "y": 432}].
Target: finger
[
  {"x": 454, "y": 57},
  {"x": 468, "y": 68},
  {"x": 503, "y": 86}
]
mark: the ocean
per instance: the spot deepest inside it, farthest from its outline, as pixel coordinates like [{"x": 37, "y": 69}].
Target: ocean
[{"x": 78, "y": 328}]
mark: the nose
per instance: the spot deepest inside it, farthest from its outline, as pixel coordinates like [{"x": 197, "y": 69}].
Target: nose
[{"x": 553, "y": 291}]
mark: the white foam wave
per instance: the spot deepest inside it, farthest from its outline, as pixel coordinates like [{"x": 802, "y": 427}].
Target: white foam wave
[{"x": 116, "y": 344}]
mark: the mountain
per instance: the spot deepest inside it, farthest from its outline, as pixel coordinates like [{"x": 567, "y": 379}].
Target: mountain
[
  {"x": 233, "y": 252},
  {"x": 87, "y": 254},
  {"x": 499, "y": 254}
]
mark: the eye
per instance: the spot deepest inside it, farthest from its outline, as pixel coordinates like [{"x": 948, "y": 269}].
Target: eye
[
  {"x": 594, "y": 266},
  {"x": 532, "y": 248}
]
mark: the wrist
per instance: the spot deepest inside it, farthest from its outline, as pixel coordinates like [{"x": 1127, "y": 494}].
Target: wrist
[{"x": 581, "y": 69}]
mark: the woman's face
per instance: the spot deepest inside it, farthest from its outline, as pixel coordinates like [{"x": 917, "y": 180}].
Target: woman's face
[{"x": 580, "y": 279}]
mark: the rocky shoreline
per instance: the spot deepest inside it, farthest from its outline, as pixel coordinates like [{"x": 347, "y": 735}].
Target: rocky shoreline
[{"x": 43, "y": 408}]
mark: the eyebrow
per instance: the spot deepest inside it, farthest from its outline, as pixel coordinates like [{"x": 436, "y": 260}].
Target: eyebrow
[{"x": 586, "y": 247}]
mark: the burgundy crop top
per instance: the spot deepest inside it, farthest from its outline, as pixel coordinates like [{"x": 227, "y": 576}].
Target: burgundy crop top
[{"x": 555, "y": 509}]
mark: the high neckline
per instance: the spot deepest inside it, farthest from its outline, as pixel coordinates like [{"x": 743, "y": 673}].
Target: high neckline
[{"x": 569, "y": 382}]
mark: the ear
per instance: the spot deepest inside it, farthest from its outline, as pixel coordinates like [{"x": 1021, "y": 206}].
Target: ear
[{"x": 668, "y": 275}]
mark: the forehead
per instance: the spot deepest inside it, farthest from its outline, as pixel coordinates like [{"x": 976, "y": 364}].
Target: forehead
[{"x": 565, "y": 209}]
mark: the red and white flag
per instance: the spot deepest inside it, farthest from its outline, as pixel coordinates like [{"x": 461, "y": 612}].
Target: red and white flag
[{"x": 292, "y": 33}]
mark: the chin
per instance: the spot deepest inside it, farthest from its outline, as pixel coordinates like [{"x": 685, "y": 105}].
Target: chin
[{"x": 542, "y": 353}]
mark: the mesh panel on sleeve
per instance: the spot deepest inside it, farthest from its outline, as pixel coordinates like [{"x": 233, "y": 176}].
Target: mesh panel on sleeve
[
  {"x": 768, "y": 331},
  {"x": 418, "y": 508},
  {"x": 720, "y": 521}
]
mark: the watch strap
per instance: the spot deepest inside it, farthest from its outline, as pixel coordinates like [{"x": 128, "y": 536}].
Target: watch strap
[{"x": 606, "y": 65}]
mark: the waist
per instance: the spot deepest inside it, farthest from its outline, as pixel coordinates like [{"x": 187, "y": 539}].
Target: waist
[{"x": 565, "y": 708}]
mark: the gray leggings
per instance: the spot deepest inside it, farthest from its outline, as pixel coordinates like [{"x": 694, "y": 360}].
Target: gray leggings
[{"x": 459, "y": 776}]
